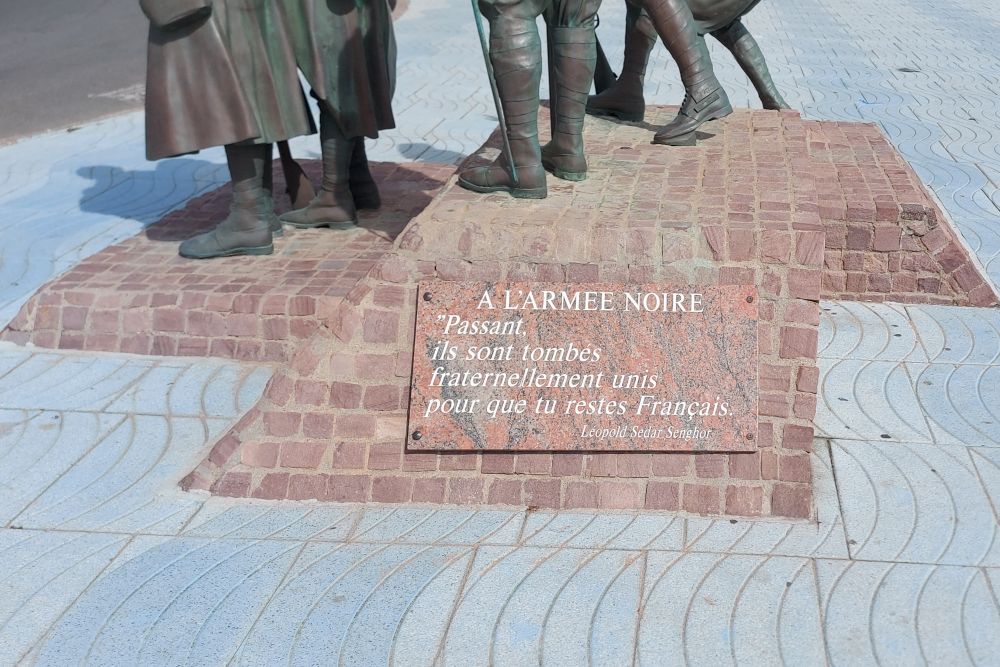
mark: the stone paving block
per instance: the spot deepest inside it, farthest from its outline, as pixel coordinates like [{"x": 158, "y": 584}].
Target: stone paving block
[
  {"x": 856, "y": 330},
  {"x": 11, "y": 357},
  {"x": 207, "y": 388},
  {"x": 69, "y": 382},
  {"x": 961, "y": 402},
  {"x": 708, "y": 609},
  {"x": 113, "y": 486},
  {"x": 220, "y": 517},
  {"x": 916, "y": 503},
  {"x": 958, "y": 335},
  {"x": 604, "y": 531},
  {"x": 868, "y": 400},
  {"x": 823, "y": 537},
  {"x": 907, "y": 614},
  {"x": 423, "y": 525},
  {"x": 987, "y": 462},
  {"x": 342, "y": 604},
  {"x": 534, "y": 605},
  {"x": 168, "y": 601},
  {"x": 43, "y": 574},
  {"x": 983, "y": 237},
  {"x": 37, "y": 447}
]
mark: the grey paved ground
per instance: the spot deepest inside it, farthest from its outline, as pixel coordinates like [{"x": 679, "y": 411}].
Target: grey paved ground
[{"x": 105, "y": 562}]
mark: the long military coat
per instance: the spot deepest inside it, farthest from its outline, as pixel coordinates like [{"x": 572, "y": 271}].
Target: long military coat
[
  {"x": 225, "y": 79},
  {"x": 347, "y": 51}
]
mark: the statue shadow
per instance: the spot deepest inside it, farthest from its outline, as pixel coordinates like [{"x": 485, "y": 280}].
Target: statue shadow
[
  {"x": 424, "y": 152},
  {"x": 144, "y": 196},
  {"x": 172, "y": 203}
]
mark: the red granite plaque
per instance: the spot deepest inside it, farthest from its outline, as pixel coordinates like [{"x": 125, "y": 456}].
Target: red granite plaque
[{"x": 584, "y": 367}]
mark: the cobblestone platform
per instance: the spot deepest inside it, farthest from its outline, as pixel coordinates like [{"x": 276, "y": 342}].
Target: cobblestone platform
[
  {"x": 803, "y": 209},
  {"x": 139, "y": 296}
]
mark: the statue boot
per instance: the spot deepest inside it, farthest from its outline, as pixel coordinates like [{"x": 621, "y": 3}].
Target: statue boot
[
  {"x": 571, "y": 71},
  {"x": 747, "y": 53},
  {"x": 362, "y": 185},
  {"x": 704, "y": 97},
  {"x": 624, "y": 98},
  {"x": 247, "y": 228},
  {"x": 333, "y": 205},
  {"x": 515, "y": 52}
]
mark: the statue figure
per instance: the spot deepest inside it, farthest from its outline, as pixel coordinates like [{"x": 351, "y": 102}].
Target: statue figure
[
  {"x": 223, "y": 73},
  {"x": 347, "y": 51},
  {"x": 682, "y": 25},
  {"x": 516, "y": 63}
]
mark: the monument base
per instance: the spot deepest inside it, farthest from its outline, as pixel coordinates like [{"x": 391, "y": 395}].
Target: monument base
[{"x": 801, "y": 209}]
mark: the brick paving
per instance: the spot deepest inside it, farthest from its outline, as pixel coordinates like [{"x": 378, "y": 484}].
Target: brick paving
[
  {"x": 762, "y": 201},
  {"x": 881, "y": 231},
  {"x": 140, "y": 297}
]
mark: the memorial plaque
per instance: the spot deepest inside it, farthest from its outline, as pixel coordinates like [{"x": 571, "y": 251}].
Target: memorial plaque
[{"x": 584, "y": 367}]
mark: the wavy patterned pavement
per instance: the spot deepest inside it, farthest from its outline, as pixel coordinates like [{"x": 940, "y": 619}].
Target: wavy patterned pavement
[{"x": 107, "y": 563}]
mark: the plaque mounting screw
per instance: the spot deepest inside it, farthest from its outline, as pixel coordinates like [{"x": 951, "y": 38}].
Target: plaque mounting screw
[
  {"x": 749, "y": 299},
  {"x": 749, "y": 436},
  {"x": 427, "y": 296},
  {"x": 417, "y": 435}
]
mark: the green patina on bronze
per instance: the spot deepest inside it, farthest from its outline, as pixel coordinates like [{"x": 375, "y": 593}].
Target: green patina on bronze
[
  {"x": 225, "y": 78},
  {"x": 682, "y": 25},
  {"x": 226, "y": 73}
]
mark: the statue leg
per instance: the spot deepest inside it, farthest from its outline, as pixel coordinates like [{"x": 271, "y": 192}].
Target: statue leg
[
  {"x": 744, "y": 48},
  {"x": 247, "y": 228},
  {"x": 516, "y": 54},
  {"x": 333, "y": 206},
  {"x": 573, "y": 56},
  {"x": 297, "y": 185},
  {"x": 704, "y": 98},
  {"x": 624, "y": 99},
  {"x": 363, "y": 186}
]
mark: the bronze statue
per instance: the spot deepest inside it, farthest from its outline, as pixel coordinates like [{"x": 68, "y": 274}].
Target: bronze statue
[
  {"x": 682, "y": 25},
  {"x": 347, "y": 52},
  {"x": 223, "y": 73},
  {"x": 515, "y": 60}
]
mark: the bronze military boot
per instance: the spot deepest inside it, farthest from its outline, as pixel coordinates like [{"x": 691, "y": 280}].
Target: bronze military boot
[
  {"x": 571, "y": 70},
  {"x": 747, "y": 53},
  {"x": 624, "y": 98},
  {"x": 247, "y": 228},
  {"x": 515, "y": 52},
  {"x": 704, "y": 98},
  {"x": 333, "y": 205}
]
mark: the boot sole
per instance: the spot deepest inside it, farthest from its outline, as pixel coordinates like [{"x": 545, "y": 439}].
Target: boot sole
[
  {"x": 627, "y": 116},
  {"x": 690, "y": 138},
  {"x": 517, "y": 193},
  {"x": 347, "y": 224},
  {"x": 575, "y": 176},
  {"x": 232, "y": 252}
]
